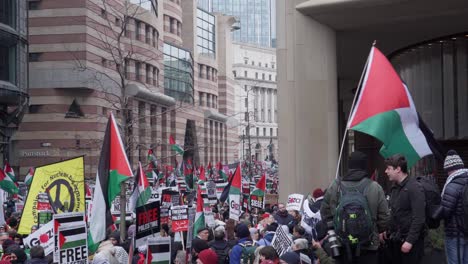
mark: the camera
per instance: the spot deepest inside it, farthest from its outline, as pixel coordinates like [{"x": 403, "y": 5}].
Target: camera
[{"x": 333, "y": 241}]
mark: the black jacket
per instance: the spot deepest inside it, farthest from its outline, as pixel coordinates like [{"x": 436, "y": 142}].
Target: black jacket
[
  {"x": 407, "y": 207},
  {"x": 283, "y": 218},
  {"x": 452, "y": 205}
]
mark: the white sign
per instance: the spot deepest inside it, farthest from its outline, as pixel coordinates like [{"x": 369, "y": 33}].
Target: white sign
[
  {"x": 43, "y": 237},
  {"x": 281, "y": 241},
  {"x": 295, "y": 202},
  {"x": 234, "y": 206}
]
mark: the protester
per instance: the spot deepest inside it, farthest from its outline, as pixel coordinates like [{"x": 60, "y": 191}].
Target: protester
[
  {"x": 220, "y": 246},
  {"x": 198, "y": 245},
  {"x": 18, "y": 239},
  {"x": 268, "y": 255},
  {"x": 114, "y": 237},
  {"x": 321, "y": 245},
  {"x": 357, "y": 181},
  {"x": 407, "y": 204},
  {"x": 270, "y": 233},
  {"x": 105, "y": 252},
  {"x": 244, "y": 244},
  {"x": 315, "y": 202},
  {"x": 301, "y": 245},
  {"x": 16, "y": 254},
  {"x": 207, "y": 256},
  {"x": 282, "y": 217},
  {"x": 257, "y": 255},
  {"x": 456, "y": 243},
  {"x": 37, "y": 256},
  {"x": 254, "y": 234},
  {"x": 203, "y": 234},
  {"x": 290, "y": 258}
]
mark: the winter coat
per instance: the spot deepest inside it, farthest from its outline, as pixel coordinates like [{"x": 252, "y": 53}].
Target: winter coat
[
  {"x": 375, "y": 198},
  {"x": 236, "y": 252},
  {"x": 283, "y": 219},
  {"x": 408, "y": 207},
  {"x": 266, "y": 240},
  {"x": 452, "y": 205}
]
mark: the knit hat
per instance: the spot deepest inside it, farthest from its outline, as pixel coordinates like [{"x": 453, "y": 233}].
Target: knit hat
[
  {"x": 291, "y": 258},
  {"x": 317, "y": 193},
  {"x": 453, "y": 161},
  {"x": 357, "y": 160},
  {"x": 202, "y": 229},
  {"x": 208, "y": 256},
  {"x": 199, "y": 245},
  {"x": 242, "y": 231}
]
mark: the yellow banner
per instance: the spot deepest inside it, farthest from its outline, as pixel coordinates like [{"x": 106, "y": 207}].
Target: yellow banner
[{"x": 63, "y": 182}]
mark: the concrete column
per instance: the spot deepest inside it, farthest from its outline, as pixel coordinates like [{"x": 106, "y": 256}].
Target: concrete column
[{"x": 307, "y": 85}]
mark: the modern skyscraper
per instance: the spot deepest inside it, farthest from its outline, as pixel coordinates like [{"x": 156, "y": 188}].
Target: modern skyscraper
[{"x": 256, "y": 18}]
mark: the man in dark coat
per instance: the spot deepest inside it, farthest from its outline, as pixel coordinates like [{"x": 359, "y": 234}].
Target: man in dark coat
[
  {"x": 408, "y": 215},
  {"x": 282, "y": 217},
  {"x": 452, "y": 204}
]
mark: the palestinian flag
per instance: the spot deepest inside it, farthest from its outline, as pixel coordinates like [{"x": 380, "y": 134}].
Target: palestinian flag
[
  {"x": 202, "y": 177},
  {"x": 28, "y": 178},
  {"x": 235, "y": 195},
  {"x": 152, "y": 158},
  {"x": 221, "y": 172},
  {"x": 72, "y": 237},
  {"x": 113, "y": 169},
  {"x": 9, "y": 171},
  {"x": 159, "y": 253},
  {"x": 151, "y": 174},
  {"x": 175, "y": 147},
  {"x": 385, "y": 110},
  {"x": 259, "y": 191},
  {"x": 141, "y": 190},
  {"x": 188, "y": 173},
  {"x": 7, "y": 184},
  {"x": 199, "y": 216}
]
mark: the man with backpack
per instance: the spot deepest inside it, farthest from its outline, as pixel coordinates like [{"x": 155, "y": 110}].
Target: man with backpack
[
  {"x": 244, "y": 251},
  {"x": 453, "y": 212},
  {"x": 408, "y": 213},
  {"x": 356, "y": 208},
  {"x": 220, "y": 246}
]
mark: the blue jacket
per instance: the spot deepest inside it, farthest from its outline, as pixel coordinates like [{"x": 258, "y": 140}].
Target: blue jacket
[
  {"x": 236, "y": 252},
  {"x": 453, "y": 205},
  {"x": 266, "y": 240}
]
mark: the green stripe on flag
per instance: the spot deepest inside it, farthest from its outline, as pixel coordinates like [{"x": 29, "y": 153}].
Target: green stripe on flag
[
  {"x": 387, "y": 127},
  {"x": 74, "y": 244}
]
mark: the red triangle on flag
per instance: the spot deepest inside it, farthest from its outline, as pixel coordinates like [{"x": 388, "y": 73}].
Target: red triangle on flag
[
  {"x": 118, "y": 156},
  {"x": 62, "y": 240}
]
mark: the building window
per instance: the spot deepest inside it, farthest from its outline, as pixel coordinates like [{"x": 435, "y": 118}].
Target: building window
[
  {"x": 269, "y": 77},
  {"x": 246, "y": 116},
  {"x": 103, "y": 62},
  {"x": 148, "y": 73},
  {"x": 234, "y": 73},
  {"x": 263, "y": 76},
  {"x": 34, "y": 56},
  {"x": 256, "y": 75},
  {"x": 245, "y": 73},
  {"x": 245, "y": 88},
  {"x": 33, "y": 5},
  {"x": 208, "y": 73},
  {"x": 253, "y": 63},
  {"x": 266, "y": 65},
  {"x": 148, "y": 32},
  {"x": 103, "y": 13},
  {"x": 246, "y": 61},
  {"x": 137, "y": 29},
  {"x": 8, "y": 63},
  {"x": 138, "y": 71},
  {"x": 271, "y": 131},
  {"x": 155, "y": 38},
  {"x": 200, "y": 99},
  {"x": 259, "y": 64},
  {"x": 206, "y": 33},
  {"x": 117, "y": 22},
  {"x": 269, "y": 115},
  {"x": 155, "y": 76},
  {"x": 258, "y": 131},
  {"x": 178, "y": 73},
  {"x": 272, "y": 65},
  {"x": 246, "y": 102},
  {"x": 264, "y": 132}
]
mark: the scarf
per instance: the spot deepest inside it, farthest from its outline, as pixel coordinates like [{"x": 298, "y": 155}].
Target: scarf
[{"x": 452, "y": 176}]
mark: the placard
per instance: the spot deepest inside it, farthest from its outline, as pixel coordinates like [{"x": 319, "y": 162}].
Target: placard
[
  {"x": 147, "y": 222},
  {"x": 159, "y": 250},
  {"x": 295, "y": 202},
  {"x": 179, "y": 217},
  {"x": 63, "y": 219},
  {"x": 281, "y": 241},
  {"x": 43, "y": 237},
  {"x": 73, "y": 246}
]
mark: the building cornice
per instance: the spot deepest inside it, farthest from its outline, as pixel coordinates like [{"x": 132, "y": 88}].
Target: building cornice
[{"x": 140, "y": 92}]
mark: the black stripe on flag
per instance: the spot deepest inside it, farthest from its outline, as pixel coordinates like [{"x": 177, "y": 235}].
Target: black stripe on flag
[
  {"x": 160, "y": 248},
  {"x": 73, "y": 231},
  {"x": 103, "y": 171}
]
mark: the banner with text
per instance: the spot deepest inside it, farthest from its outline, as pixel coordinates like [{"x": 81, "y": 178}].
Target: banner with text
[
  {"x": 281, "y": 241},
  {"x": 73, "y": 246},
  {"x": 295, "y": 202},
  {"x": 147, "y": 222},
  {"x": 43, "y": 237},
  {"x": 65, "y": 219},
  {"x": 179, "y": 216}
]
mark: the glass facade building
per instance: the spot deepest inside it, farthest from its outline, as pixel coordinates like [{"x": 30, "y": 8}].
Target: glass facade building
[
  {"x": 151, "y": 5},
  {"x": 256, "y": 17},
  {"x": 206, "y": 32},
  {"x": 178, "y": 73}
]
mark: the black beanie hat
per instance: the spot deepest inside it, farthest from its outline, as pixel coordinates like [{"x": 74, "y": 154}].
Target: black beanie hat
[
  {"x": 291, "y": 258},
  {"x": 242, "y": 231},
  {"x": 357, "y": 160},
  {"x": 199, "y": 245},
  {"x": 272, "y": 227}
]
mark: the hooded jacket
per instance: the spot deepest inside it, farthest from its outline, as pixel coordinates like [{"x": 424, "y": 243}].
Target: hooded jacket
[{"x": 375, "y": 198}]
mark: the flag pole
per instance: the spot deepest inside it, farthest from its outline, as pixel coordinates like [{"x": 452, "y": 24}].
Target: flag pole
[{"x": 358, "y": 90}]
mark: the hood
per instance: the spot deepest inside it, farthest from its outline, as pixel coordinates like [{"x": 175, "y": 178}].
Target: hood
[{"x": 355, "y": 175}]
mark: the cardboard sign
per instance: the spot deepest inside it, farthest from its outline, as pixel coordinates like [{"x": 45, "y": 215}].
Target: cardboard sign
[
  {"x": 65, "y": 219},
  {"x": 180, "y": 220},
  {"x": 256, "y": 201},
  {"x": 209, "y": 217},
  {"x": 234, "y": 206},
  {"x": 211, "y": 189},
  {"x": 295, "y": 202},
  {"x": 281, "y": 241},
  {"x": 147, "y": 222},
  {"x": 170, "y": 197},
  {"x": 43, "y": 237},
  {"x": 160, "y": 250},
  {"x": 73, "y": 246}
]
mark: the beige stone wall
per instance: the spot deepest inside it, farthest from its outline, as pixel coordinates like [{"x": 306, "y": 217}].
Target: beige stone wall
[{"x": 307, "y": 101}]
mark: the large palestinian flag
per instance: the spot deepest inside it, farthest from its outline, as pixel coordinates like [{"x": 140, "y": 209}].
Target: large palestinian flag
[
  {"x": 175, "y": 147},
  {"x": 113, "y": 169},
  {"x": 199, "y": 222},
  {"x": 141, "y": 191},
  {"x": 385, "y": 110}
]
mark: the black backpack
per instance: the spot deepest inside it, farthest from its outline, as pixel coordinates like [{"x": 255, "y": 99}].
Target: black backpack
[
  {"x": 432, "y": 197},
  {"x": 353, "y": 219},
  {"x": 223, "y": 253}
]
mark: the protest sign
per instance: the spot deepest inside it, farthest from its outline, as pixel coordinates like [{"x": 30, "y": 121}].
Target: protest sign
[
  {"x": 281, "y": 241},
  {"x": 73, "y": 246},
  {"x": 155, "y": 195},
  {"x": 159, "y": 250},
  {"x": 234, "y": 206},
  {"x": 64, "y": 219},
  {"x": 147, "y": 222},
  {"x": 209, "y": 217},
  {"x": 164, "y": 215},
  {"x": 191, "y": 213},
  {"x": 295, "y": 201},
  {"x": 256, "y": 201},
  {"x": 170, "y": 197},
  {"x": 116, "y": 206},
  {"x": 64, "y": 184},
  {"x": 44, "y": 217},
  {"x": 211, "y": 189},
  {"x": 179, "y": 216},
  {"x": 43, "y": 237},
  {"x": 245, "y": 202}
]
